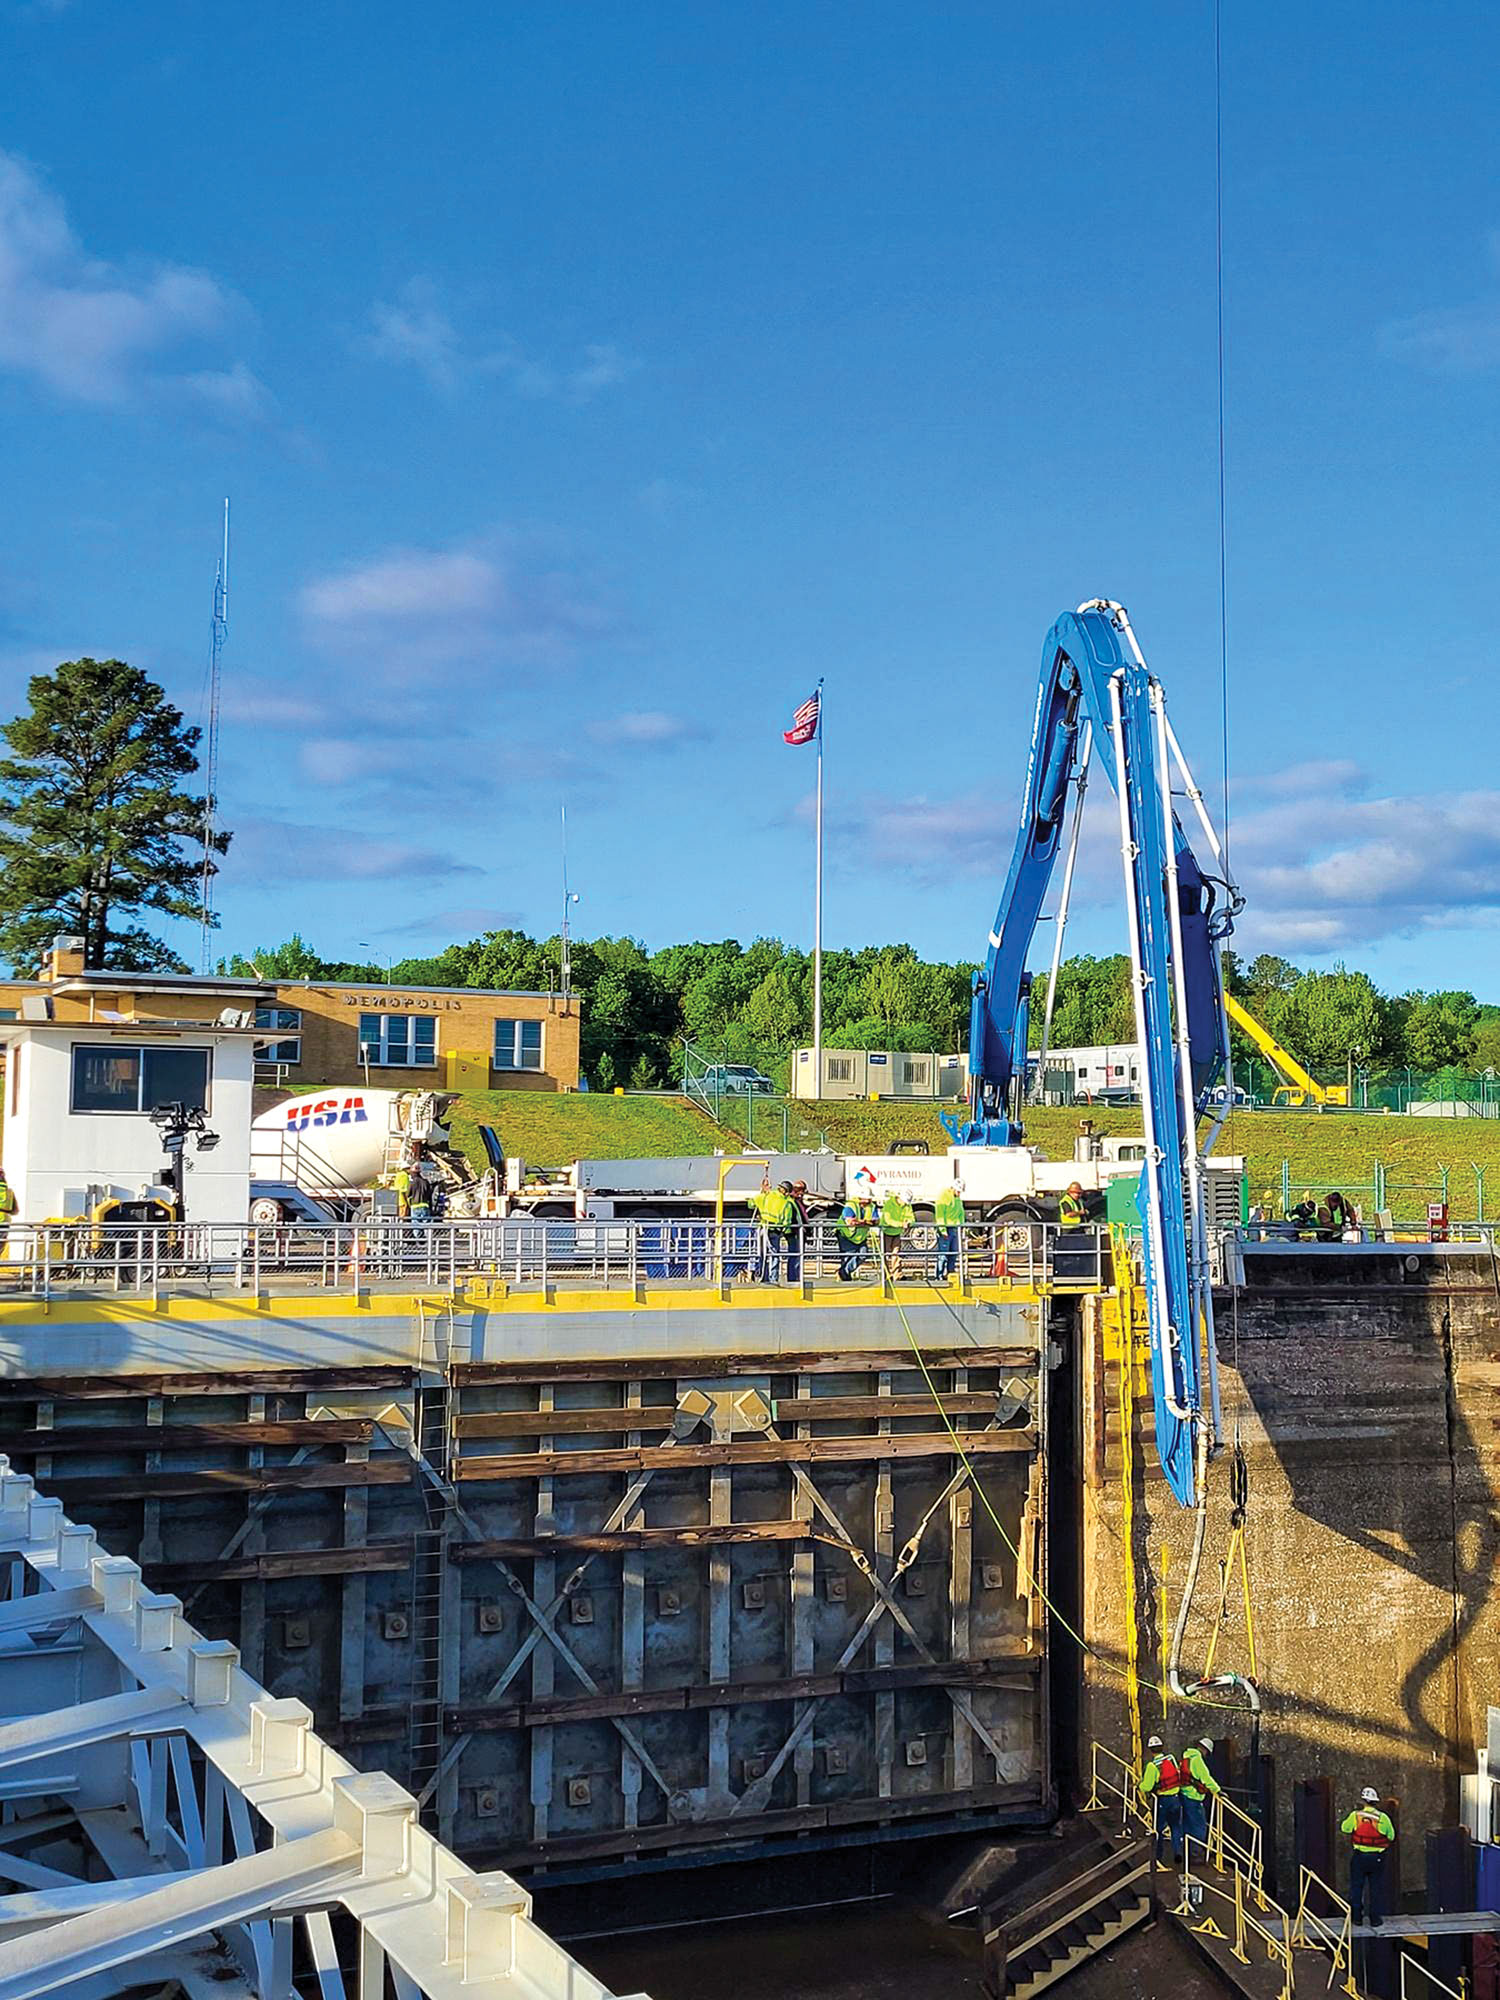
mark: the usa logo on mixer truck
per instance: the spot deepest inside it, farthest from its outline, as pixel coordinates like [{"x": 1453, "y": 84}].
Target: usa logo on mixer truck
[{"x": 303, "y": 1112}]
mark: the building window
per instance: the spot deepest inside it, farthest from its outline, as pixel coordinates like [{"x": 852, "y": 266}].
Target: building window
[
  {"x": 398, "y": 1041},
  {"x": 109, "y": 1078},
  {"x": 286, "y": 1049},
  {"x": 914, "y": 1072},
  {"x": 518, "y": 1045},
  {"x": 841, "y": 1069}
]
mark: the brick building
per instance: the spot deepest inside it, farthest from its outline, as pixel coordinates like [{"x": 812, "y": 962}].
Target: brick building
[
  {"x": 318, "y": 1032},
  {"x": 462, "y": 1036}
]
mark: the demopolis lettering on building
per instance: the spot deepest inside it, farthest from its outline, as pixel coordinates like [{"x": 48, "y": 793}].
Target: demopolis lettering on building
[{"x": 416, "y": 1003}]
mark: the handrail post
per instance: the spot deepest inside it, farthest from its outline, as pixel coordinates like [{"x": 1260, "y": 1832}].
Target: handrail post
[{"x": 1238, "y": 1950}]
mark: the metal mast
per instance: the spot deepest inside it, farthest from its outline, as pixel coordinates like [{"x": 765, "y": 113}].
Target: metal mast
[
  {"x": 569, "y": 898},
  {"x": 218, "y": 635}
]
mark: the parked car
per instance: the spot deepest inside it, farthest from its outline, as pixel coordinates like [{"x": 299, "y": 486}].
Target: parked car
[
  {"x": 729, "y": 1079},
  {"x": 1243, "y": 1101}
]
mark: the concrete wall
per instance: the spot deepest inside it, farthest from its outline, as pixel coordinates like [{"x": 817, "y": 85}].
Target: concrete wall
[{"x": 1365, "y": 1399}]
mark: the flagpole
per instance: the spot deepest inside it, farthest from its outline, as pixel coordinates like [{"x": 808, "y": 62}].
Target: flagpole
[{"x": 818, "y": 918}]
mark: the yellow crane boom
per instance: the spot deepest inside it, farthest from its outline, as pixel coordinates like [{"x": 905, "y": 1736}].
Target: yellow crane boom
[{"x": 1299, "y": 1090}]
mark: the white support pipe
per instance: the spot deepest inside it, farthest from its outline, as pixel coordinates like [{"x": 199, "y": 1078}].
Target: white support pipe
[
  {"x": 1195, "y": 793},
  {"x": 1082, "y": 782},
  {"x": 1128, "y": 850},
  {"x": 1192, "y": 1161}
]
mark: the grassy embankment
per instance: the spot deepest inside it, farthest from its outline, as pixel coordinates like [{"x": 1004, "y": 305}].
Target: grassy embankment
[{"x": 1325, "y": 1149}]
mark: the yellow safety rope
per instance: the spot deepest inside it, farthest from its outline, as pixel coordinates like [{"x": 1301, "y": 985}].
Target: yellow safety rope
[{"x": 1159, "y": 1689}]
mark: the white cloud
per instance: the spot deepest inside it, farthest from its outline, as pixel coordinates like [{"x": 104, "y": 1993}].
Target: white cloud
[
  {"x": 1326, "y": 864},
  {"x": 647, "y": 729},
  {"x": 465, "y": 920},
  {"x": 285, "y": 851},
  {"x": 415, "y": 329},
  {"x": 1453, "y": 340},
  {"x": 486, "y": 604},
  {"x": 98, "y": 334},
  {"x": 342, "y": 760}
]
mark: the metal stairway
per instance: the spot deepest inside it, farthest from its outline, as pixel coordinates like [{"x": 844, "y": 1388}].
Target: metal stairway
[{"x": 1035, "y": 1947}]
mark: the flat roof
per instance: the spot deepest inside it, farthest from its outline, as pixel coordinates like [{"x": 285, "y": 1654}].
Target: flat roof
[
  {"x": 390, "y": 986},
  {"x": 129, "y": 1031},
  {"x": 168, "y": 982}
]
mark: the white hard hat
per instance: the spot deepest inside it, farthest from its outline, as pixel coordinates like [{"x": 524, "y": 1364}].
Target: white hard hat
[
  {"x": 1205, "y": 1743},
  {"x": 1153, "y": 1743},
  {"x": 1369, "y": 1796}
]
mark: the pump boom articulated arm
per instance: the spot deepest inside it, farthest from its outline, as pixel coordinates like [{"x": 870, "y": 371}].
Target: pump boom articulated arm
[{"x": 1095, "y": 687}]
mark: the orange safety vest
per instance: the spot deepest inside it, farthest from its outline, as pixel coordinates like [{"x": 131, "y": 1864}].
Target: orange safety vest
[
  {"x": 1369, "y": 1835},
  {"x": 1169, "y": 1776}
]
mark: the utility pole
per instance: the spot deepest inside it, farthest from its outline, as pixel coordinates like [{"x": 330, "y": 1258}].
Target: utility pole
[
  {"x": 569, "y": 898},
  {"x": 218, "y": 635}
]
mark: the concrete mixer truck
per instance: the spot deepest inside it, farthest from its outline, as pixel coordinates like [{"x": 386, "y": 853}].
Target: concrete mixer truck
[{"x": 315, "y": 1156}]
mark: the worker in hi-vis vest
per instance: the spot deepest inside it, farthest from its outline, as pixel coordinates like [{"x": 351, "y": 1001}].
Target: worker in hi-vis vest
[
  {"x": 1370, "y": 1832},
  {"x": 1199, "y": 1785},
  {"x": 1161, "y": 1783},
  {"x": 1071, "y": 1212},
  {"x": 896, "y": 1217},
  {"x": 855, "y": 1223},
  {"x": 948, "y": 1214}
]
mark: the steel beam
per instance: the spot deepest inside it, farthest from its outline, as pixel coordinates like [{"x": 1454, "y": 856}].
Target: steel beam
[{"x": 114, "y": 1932}]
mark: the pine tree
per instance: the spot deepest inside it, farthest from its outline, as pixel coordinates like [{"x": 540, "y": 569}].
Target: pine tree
[{"x": 93, "y": 826}]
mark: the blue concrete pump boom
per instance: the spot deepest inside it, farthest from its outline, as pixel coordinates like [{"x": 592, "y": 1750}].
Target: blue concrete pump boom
[{"x": 1095, "y": 691}]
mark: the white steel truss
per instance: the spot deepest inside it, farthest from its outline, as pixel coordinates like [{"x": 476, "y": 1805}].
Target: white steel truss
[{"x": 239, "y": 1846}]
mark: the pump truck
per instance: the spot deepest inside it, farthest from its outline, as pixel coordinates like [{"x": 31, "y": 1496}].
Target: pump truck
[{"x": 1096, "y": 694}]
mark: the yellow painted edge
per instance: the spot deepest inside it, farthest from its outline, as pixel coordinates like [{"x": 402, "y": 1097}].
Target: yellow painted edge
[{"x": 116, "y": 1311}]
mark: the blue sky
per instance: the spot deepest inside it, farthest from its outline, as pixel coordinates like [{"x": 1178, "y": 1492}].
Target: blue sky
[{"x": 590, "y": 380}]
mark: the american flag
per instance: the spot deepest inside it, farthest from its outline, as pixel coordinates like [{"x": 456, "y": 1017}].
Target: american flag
[{"x": 805, "y": 722}]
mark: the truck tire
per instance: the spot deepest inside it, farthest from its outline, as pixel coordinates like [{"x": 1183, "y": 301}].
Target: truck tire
[
  {"x": 1015, "y": 1208},
  {"x": 266, "y": 1208},
  {"x": 921, "y": 1232}
]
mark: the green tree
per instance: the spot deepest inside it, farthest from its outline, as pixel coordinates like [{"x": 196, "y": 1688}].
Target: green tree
[
  {"x": 1440, "y": 1029},
  {"x": 1331, "y": 1016},
  {"x": 1093, "y": 1006},
  {"x": 778, "y": 1011},
  {"x": 1267, "y": 973},
  {"x": 892, "y": 988},
  {"x": 295, "y": 959},
  {"x": 95, "y": 827},
  {"x": 1486, "y": 1054}
]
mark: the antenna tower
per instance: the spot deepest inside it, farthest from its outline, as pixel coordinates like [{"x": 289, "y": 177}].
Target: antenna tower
[{"x": 218, "y": 635}]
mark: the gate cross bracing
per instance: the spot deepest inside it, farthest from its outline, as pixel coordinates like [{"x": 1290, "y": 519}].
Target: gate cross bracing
[{"x": 245, "y": 1856}]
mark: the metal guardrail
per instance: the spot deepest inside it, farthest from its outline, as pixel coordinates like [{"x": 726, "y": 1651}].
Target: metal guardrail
[
  {"x": 1255, "y": 1915},
  {"x": 1326, "y": 1929},
  {"x": 1430, "y": 1982},
  {"x": 234, "y": 1821},
  {"x": 48, "y": 1259},
  {"x": 1235, "y": 1840},
  {"x": 1111, "y": 1777}
]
